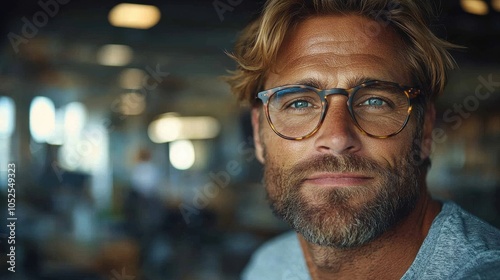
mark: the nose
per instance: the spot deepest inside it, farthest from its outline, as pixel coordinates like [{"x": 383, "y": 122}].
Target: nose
[{"x": 338, "y": 134}]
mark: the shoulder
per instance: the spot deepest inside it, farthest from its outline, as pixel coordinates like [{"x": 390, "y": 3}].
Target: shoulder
[
  {"x": 477, "y": 236},
  {"x": 458, "y": 245},
  {"x": 478, "y": 242},
  {"x": 279, "y": 258}
]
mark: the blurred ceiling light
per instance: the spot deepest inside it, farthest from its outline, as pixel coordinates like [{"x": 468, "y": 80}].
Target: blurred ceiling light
[
  {"x": 75, "y": 116},
  {"x": 181, "y": 154},
  {"x": 7, "y": 115},
  {"x": 170, "y": 128},
  {"x": 132, "y": 103},
  {"x": 42, "y": 118},
  {"x": 114, "y": 55},
  {"x": 131, "y": 78},
  {"x": 476, "y": 7},
  {"x": 87, "y": 153},
  {"x": 496, "y": 5},
  {"x": 165, "y": 129},
  {"x": 134, "y": 16}
]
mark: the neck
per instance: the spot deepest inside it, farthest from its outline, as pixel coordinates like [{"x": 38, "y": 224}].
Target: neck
[{"x": 389, "y": 256}]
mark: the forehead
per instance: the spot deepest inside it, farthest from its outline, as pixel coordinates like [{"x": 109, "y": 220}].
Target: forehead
[{"x": 342, "y": 46}]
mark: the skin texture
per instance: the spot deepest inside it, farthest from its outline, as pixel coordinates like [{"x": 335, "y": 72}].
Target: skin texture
[{"x": 341, "y": 52}]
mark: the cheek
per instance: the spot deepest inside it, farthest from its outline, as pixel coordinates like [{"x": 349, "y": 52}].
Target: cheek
[
  {"x": 391, "y": 150},
  {"x": 385, "y": 151},
  {"x": 282, "y": 152}
]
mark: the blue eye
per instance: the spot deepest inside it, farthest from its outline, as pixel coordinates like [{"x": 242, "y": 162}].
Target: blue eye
[
  {"x": 299, "y": 104},
  {"x": 296, "y": 100},
  {"x": 376, "y": 102}
]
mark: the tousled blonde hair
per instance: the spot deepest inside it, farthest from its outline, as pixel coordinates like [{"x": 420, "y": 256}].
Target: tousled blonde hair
[{"x": 426, "y": 56}]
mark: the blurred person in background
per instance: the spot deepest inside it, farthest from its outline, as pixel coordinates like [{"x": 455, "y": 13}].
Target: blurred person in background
[
  {"x": 144, "y": 207},
  {"x": 145, "y": 176},
  {"x": 342, "y": 96}
]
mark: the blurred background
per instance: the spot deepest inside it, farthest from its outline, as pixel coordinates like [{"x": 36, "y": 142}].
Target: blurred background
[{"x": 132, "y": 159}]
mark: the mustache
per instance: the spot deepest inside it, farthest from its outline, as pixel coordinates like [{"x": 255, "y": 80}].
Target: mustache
[
  {"x": 334, "y": 164},
  {"x": 295, "y": 176}
]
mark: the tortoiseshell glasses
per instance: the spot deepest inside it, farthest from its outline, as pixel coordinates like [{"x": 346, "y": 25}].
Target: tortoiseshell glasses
[{"x": 379, "y": 109}]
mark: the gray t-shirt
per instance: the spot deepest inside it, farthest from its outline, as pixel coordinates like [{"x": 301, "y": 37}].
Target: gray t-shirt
[{"x": 458, "y": 246}]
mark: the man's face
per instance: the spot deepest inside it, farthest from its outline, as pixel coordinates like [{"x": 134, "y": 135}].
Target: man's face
[{"x": 340, "y": 187}]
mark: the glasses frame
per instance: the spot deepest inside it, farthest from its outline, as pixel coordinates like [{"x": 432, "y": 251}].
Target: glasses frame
[{"x": 410, "y": 92}]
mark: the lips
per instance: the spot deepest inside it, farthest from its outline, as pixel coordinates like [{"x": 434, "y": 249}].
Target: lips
[{"x": 337, "y": 179}]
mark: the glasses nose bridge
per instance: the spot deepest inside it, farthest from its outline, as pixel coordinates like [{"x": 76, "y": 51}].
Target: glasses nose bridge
[{"x": 335, "y": 91}]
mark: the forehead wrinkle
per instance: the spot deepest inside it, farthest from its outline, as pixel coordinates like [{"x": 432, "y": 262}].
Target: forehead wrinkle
[
  {"x": 328, "y": 50},
  {"x": 348, "y": 35},
  {"x": 354, "y": 30},
  {"x": 326, "y": 68},
  {"x": 329, "y": 53}
]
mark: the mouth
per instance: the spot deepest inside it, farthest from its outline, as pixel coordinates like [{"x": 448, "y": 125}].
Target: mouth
[{"x": 337, "y": 179}]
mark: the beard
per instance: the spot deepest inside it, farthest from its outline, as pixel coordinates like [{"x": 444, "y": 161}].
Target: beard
[{"x": 344, "y": 217}]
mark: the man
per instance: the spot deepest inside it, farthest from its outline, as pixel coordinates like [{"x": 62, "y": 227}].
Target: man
[{"x": 342, "y": 95}]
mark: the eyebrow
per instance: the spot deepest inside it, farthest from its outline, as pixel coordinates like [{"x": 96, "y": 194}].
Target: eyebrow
[
  {"x": 312, "y": 82},
  {"x": 358, "y": 80},
  {"x": 351, "y": 82}
]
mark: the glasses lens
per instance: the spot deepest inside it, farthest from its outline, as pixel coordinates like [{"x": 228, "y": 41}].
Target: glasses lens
[
  {"x": 380, "y": 109},
  {"x": 295, "y": 112}
]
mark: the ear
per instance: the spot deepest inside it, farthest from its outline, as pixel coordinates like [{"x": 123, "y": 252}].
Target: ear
[
  {"x": 259, "y": 149},
  {"x": 430, "y": 118}
]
